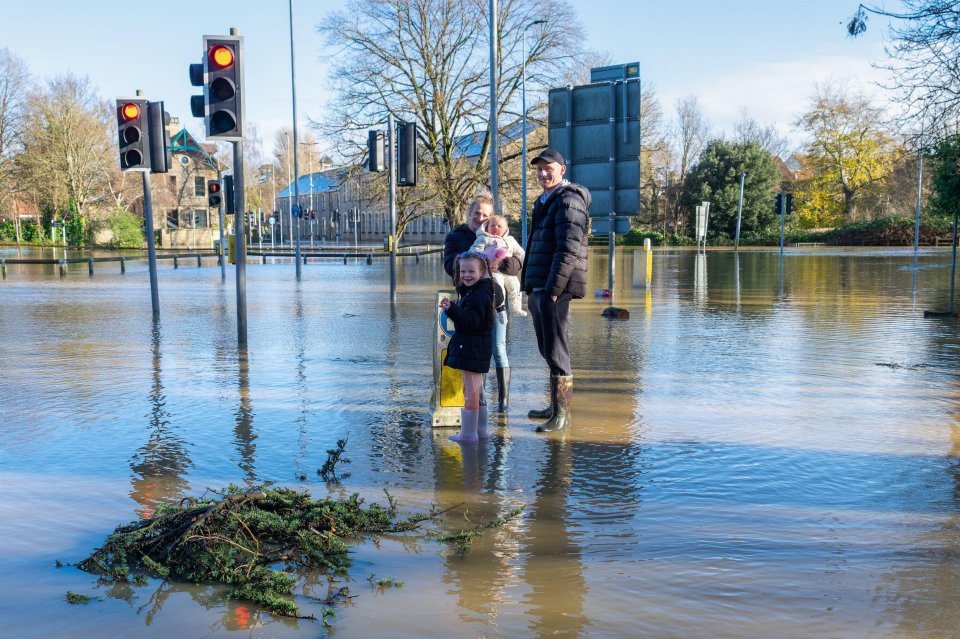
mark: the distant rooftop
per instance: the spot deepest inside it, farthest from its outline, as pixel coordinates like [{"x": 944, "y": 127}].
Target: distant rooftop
[{"x": 313, "y": 183}]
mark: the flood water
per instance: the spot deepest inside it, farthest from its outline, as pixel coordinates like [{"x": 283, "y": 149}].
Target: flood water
[{"x": 761, "y": 450}]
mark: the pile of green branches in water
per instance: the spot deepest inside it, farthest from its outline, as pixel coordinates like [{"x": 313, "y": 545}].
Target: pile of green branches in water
[{"x": 235, "y": 536}]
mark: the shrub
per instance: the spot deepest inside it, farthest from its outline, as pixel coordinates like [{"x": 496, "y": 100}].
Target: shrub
[
  {"x": 8, "y": 232},
  {"x": 127, "y": 229},
  {"x": 636, "y": 236},
  {"x": 676, "y": 239},
  {"x": 29, "y": 231}
]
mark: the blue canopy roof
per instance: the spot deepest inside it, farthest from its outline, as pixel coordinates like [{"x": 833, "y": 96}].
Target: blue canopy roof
[{"x": 320, "y": 184}]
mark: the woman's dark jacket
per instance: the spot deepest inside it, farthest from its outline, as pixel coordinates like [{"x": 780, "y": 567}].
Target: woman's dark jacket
[
  {"x": 471, "y": 346},
  {"x": 556, "y": 258},
  {"x": 460, "y": 240}
]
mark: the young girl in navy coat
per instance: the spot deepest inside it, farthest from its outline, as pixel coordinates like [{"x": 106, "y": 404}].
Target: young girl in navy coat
[{"x": 471, "y": 347}]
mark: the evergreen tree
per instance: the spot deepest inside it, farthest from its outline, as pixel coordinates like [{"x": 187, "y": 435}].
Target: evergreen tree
[{"x": 716, "y": 178}]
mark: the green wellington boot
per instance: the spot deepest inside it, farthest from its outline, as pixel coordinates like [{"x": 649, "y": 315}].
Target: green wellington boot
[
  {"x": 543, "y": 413},
  {"x": 561, "y": 396}
]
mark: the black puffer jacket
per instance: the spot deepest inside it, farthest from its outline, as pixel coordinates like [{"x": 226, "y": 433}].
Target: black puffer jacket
[
  {"x": 461, "y": 239},
  {"x": 556, "y": 258},
  {"x": 471, "y": 346}
]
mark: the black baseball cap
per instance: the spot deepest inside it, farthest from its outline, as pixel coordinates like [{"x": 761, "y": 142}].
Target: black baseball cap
[{"x": 549, "y": 155}]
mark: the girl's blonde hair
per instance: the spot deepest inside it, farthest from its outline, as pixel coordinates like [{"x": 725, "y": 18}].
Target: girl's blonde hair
[{"x": 470, "y": 255}]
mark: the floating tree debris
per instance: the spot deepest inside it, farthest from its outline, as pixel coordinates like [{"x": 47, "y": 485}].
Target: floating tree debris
[{"x": 237, "y": 537}]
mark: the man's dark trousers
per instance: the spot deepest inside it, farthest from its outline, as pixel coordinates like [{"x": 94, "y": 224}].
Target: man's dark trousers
[{"x": 550, "y": 321}]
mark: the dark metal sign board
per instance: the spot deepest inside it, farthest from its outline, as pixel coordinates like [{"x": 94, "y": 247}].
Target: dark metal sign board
[
  {"x": 615, "y": 72},
  {"x": 597, "y": 129}
]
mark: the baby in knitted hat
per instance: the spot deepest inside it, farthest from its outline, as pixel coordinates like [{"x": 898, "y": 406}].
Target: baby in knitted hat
[{"x": 494, "y": 234}]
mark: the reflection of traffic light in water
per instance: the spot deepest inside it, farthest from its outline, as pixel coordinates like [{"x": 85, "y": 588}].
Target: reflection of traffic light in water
[
  {"x": 161, "y": 463},
  {"x": 244, "y": 434}
]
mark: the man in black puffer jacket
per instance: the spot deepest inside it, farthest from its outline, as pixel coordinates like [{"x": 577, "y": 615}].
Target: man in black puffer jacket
[{"x": 555, "y": 272}]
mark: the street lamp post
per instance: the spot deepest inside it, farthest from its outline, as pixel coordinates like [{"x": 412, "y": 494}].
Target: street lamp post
[
  {"x": 296, "y": 166},
  {"x": 492, "y": 127},
  {"x": 523, "y": 144}
]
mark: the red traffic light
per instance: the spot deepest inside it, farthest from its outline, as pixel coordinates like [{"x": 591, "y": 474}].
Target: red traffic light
[
  {"x": 221, "y": 56},
  {"x": 214, "y": 187},
  {"x": 130, "y": 111}
]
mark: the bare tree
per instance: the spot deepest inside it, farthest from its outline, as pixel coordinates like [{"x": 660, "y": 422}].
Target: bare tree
[
  {"x": 69, "y": 147},
  {"x": 690, "y": 134},
  {"x": 14, "y": 82},
  {"x": 747, "y": 130},
  {"x": 426, "y": 61},
  {"x": 924, "y": 50},
  {"x": 654, "y": 146}
]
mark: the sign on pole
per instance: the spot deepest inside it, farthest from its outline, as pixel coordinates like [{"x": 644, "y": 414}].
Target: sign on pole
[
  {"x": 703, "y": 217},
  {"x": 596, "y": 127}
]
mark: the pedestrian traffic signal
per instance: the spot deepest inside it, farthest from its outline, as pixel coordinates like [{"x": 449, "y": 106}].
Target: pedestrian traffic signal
[
  {"x": 160, "y": 161},
  {"x": 377, "y": 158},
  {"x": 221, "y": 76},
  {"x": 407, "y": 154},
  {"x": 213, "y": 192},
  {"x": 134, "y": 135}
]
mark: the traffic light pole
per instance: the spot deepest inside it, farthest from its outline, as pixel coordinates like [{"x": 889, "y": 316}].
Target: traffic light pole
[
  {"x": 240, "y": 246},
  {"x": 151, "y": 245},
  {"x": 296, "y": 165},
  {"x": 783, "y": 214},
  {"x": 223, "y": 266},
  {"x": 392, "y": 173}
]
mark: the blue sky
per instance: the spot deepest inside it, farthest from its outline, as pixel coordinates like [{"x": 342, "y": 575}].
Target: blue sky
[{"x": 762, "y": 55}]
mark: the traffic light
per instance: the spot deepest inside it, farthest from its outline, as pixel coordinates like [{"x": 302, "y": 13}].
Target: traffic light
[
  {"x": 134, "y": 135},
  {"x": 780, "y": 203},
  {"x": 377, "y": 158},
  {"x": 229, "y": 195},
  {"x": 160, "y": 161},
  {"x": 407, "y": 154},
  {"x": 213, "y": 193},
  {"x": 221, "y": 76}
]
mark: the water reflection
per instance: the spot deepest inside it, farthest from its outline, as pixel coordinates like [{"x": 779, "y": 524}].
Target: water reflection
[
  {"x": 553, "y": 566},
  {"x": 300, "y": 346},
  {"x": 478, "y": 572},
  {"x": 700, "y": 277},
  {"x": 739, "y": 463},
  {"x": 919, "y": 593},
  {"x": 161, "y": 464},
  {"x": 244, "y": 435}
]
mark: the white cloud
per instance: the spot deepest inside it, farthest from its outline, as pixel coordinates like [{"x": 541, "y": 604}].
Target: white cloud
[{"x": 776, "y": 92}]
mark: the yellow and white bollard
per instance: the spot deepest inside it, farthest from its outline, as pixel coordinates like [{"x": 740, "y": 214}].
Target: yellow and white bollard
[
  {"x": 648, "y": 251},
  {"x": 447, "y": 382},
  {"x": 643, "y": 266}
]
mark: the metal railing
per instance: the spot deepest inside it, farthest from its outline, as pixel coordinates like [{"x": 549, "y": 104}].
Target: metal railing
[{"x": 64, "y": 262}]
